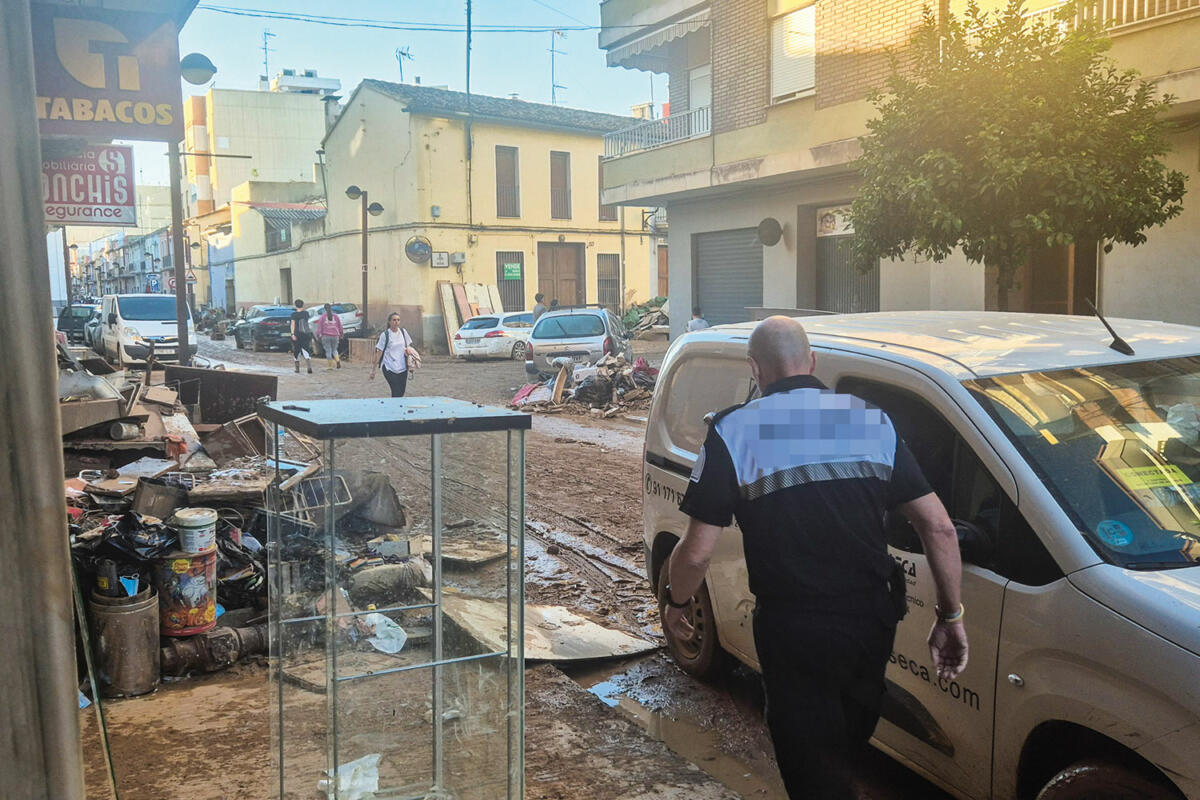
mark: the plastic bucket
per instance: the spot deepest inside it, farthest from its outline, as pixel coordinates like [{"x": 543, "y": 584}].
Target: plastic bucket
[
  {"x": 187, "y": 592},
  {"x": 197, "y": 528},
  {"x": 125, "y": 633}
]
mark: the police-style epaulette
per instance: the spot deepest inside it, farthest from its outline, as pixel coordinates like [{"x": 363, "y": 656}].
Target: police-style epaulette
[{"x": 713, "y": 417}]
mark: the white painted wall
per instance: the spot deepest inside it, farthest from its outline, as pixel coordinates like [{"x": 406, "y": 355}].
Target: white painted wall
[
  {"x": 1159, "y": 279},
  {"x": 952, "y": 285}
]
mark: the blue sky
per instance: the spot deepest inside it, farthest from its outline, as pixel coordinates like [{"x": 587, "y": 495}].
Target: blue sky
[{"x": 501, "y": 63}]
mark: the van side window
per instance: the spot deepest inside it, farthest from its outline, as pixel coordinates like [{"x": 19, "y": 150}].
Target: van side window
[
  {"x": 698, "y": 386},
  {"x": 997, "y": 536}
]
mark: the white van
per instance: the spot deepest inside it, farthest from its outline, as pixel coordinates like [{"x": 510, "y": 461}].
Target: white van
[
  {"x": 1073, "y": 474},
  {"x": 132, "y": 322}
]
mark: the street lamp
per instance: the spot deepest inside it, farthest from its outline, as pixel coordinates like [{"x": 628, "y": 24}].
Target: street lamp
[{"x": 374, "y": 210}]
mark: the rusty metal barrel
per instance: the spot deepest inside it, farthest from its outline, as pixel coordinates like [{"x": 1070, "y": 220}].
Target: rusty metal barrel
[{"x": 125, "y": 637}]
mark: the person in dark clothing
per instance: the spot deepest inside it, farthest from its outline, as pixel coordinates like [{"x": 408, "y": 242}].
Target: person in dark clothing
[
  {"x": 809, "y": 474},
  {"x": 301, "y": 337},
  {"x": 539, "y": 308}
]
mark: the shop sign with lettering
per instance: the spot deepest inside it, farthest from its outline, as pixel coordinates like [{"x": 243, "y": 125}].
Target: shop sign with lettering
[
  {"x": 94, "y": 187},
  {"x": 104, "y": 74}
]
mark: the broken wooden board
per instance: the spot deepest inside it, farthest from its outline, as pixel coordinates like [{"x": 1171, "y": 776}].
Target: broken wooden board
[
  {"x": 242, "y": 486},
  {"x": 497, "y": 302},
  {"x": 113, "y": 487},
  {"x": 147, "y": 468},
  {"x": 459, "y": 552},
  {"x": 560, "y": 383},
  {"x": 552, "y": 633},
  {"x": 460, "y": 300},
  {"x": 161, "y": 395},
  {"x": 193, "y": 456}
]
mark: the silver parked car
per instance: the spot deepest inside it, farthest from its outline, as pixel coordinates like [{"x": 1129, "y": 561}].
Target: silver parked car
[{"x": 583, "y": 334}]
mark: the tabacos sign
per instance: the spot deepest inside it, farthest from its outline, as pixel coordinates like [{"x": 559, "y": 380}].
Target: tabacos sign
[{"x": 106, "y": 74}]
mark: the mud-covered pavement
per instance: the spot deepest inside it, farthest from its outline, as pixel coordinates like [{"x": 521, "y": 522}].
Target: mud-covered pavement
[{"x": 644, "y": 730}]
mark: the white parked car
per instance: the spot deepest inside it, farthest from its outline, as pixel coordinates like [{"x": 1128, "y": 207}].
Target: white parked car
[
  {"x": 504, "y": 335},
  {"x": 1072, "y": 472},
  {"x": 349, "y": 313}
]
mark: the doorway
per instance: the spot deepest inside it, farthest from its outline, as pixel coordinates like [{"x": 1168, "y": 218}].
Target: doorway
[
  {"x": 561, "y": 272},
  {"x": 285, "y": 286},
  {"x": 664, "y": 282}
]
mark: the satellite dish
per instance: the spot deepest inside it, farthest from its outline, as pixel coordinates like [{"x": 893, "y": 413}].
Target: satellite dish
[{"x": 770, "y": 231}]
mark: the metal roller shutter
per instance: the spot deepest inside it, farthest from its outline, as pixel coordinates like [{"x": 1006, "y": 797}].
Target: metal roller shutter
[
  {"x": 729, "y": 275},
  {"x": 840, "y": 286}
]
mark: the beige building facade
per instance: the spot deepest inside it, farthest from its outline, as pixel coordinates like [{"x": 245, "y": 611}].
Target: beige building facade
[
  {"x": 515, "y": 202},
  {"x": 767, "y": 101}
]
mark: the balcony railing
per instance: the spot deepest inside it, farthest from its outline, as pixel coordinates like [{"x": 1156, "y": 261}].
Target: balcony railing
[
  {"x": 1118, "y": 13},
  {"x": 658, "y": 132}
]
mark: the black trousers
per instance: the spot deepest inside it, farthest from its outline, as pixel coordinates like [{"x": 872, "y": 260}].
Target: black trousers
[
  {"x": 398, "y": 381},
  {"x": 824, "y": 678}
]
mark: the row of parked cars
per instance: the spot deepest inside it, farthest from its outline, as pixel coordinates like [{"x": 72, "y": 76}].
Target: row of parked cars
[
  {"x": 124, "y": 327},
  {"x": 268, "y": 327},
  {"x": 584, "y": 334}
]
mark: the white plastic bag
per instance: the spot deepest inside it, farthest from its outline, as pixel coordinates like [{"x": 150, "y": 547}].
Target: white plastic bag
[
  {"x": 356, "y": 780},
  {"x": 387, "y": 636}
]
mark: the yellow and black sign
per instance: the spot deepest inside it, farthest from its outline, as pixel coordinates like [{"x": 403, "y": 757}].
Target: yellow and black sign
[{"x": 105, "y": 74}]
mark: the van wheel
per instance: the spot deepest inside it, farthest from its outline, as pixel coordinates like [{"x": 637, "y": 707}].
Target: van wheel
[
  {"x": 700, "y": 655},
  {"x": 518, "y": 351},
  {"x": 1092, "y": 779}
]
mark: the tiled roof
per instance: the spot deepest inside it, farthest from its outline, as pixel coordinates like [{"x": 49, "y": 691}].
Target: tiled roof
[{"x": 426, "y": 99}]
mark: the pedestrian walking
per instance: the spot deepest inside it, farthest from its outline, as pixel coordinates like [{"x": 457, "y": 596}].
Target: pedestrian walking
[
  {"x": 697, "y": 322},
  {"x": 397, "y": 356},
  {"x": 808, "y": 474},
  {"x": 329, "y": 331},
  {"x": 539, "y": 307},
  {"x": 301, "y": 337}
]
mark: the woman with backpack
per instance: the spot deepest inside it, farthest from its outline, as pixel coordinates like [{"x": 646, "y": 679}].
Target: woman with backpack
[{"x": 396, "y": 356}]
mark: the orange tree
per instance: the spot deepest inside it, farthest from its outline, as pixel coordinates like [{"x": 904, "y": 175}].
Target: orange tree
[{"x": 997, "y": 134}]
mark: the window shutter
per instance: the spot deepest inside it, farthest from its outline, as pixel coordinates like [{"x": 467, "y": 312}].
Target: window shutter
[
  {"x": 508, "y": 197},
  {"x": 560, "y": 185},
  {"x": 793, "y": 53}
]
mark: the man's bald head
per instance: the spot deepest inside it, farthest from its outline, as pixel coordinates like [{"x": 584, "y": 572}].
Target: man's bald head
[{"x": 779, "y": 348}]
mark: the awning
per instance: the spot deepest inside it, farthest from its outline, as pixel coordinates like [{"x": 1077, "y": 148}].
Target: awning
[
  {"x": 281, "y": 215},
  {"x": 644, "y": 53}
]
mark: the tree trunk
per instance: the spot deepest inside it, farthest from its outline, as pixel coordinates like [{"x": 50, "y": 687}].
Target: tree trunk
[{"x": 1005, "y": 272}]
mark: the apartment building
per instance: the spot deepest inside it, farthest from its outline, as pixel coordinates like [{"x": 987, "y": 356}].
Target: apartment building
[
  {"x": 753, "y": 159},
  {"x": 481, "y": 189}
]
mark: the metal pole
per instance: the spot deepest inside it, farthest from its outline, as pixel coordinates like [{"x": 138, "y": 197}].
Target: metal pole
[
  {"x": 435, "y": 480},
  {"x": 39, "y": 715},
  {"x": 66, "y": 263},
  {"x": 365, "y": 325},
  {"x": 181, "y": 306}
]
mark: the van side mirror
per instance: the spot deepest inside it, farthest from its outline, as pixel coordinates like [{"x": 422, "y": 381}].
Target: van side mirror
[{"x": 112, "y": 318}]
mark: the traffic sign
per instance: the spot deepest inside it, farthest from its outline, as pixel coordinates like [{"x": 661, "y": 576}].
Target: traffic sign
[
  {"x": 191, "y": 276},
  {"x": 152, "y": 282},
  {"x": 171, "y": 283}
]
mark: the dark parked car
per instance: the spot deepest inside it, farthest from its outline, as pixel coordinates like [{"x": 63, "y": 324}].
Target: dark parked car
[
  {"x": 72, "y": 319},
  {"x": 265, "y": 327}
]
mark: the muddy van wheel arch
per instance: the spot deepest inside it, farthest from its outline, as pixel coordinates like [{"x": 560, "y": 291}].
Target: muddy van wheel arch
[
  {"x": 702, "y": 655},
  {"x": 1094, "y": 779}
]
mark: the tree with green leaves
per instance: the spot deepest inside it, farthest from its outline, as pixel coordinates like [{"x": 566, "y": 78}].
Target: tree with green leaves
[{"x": 998, "y": 134}]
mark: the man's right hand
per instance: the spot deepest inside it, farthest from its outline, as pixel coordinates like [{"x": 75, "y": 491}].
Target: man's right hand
[{"x": 948, "y": 648}]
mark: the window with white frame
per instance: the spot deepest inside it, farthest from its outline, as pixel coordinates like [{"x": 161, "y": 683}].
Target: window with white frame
[{"x": 793, "y": 54}]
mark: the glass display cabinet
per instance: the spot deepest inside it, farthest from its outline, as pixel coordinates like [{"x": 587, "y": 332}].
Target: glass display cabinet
[{"x": 396, "y": 571}]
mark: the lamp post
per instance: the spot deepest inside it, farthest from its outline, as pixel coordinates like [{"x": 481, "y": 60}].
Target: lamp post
[
  {"x": 68, "y": 252},
  {"x": 373, "y": 209}
]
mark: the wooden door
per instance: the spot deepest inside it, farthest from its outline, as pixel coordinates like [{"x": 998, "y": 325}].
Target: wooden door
[
  {"x": 664, "y": 282},
  {"x": 560, "y": 273}
]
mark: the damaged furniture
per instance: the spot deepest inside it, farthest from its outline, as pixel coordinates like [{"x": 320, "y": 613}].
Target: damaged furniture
[{"x": 369, "y": 597}]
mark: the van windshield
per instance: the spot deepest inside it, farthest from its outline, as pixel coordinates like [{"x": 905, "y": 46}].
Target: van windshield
[
  {"x": 1118, "y": 446},
  {"x": 147, "y": 309},
  {"x": 574, "y": 326}
]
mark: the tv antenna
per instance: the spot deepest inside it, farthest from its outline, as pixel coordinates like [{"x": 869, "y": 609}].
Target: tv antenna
[
  {"x": 267, "y": 37},
  {"x": 401, "y": 54},
  {"x": 554, "y": 51}
]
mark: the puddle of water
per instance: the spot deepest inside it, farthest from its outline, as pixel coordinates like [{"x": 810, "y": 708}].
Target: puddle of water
[{"x": 685, "y": 736}]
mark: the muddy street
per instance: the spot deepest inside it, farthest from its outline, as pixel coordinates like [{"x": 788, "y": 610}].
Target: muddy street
[{"x": 602, "y": 731}]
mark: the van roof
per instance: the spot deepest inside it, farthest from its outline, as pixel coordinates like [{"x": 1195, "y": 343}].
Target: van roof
[{"x": 983, "y": 343}]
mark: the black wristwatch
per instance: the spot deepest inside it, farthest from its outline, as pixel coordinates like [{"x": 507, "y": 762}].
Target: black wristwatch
[{"x": 671, "y": 602}]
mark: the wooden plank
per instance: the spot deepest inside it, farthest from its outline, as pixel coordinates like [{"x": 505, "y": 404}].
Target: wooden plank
[
  {"x": 163, "y": 395},
  {"x": 560, "y": 384},
  {"x": 147, "y": 468},
  {"x": 460, "y": 300},
  {"x": 497, "y": 301},
  {"x": 449, "y": 313},
  {"x": 552, "y": 633}
]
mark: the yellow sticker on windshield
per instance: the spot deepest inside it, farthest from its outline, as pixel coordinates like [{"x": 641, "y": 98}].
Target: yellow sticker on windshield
[{"x": 1152, "y": 477}]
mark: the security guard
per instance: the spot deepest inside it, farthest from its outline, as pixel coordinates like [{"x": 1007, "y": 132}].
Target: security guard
[{"x": 809, "y": 474}]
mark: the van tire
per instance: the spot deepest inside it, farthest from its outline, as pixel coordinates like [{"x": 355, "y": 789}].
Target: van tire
[
  {"x": 1094, "y": 779},
  {"x": 702, "y": 656}
]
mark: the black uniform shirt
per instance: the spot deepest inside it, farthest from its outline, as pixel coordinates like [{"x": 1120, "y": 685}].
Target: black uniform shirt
[{"x": 808, "y": 473}]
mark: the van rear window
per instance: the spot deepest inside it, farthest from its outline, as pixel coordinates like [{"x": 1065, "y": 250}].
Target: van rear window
[{"x": 697, "y": 386}]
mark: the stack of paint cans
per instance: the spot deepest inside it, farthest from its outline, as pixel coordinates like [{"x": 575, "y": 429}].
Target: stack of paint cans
[{"x": 186, "y": 580}]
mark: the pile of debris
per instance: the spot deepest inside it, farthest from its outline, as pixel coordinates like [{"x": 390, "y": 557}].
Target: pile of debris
[
  {"x": 648, "y": 319},
  {"x": 605, "y": 389}
]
